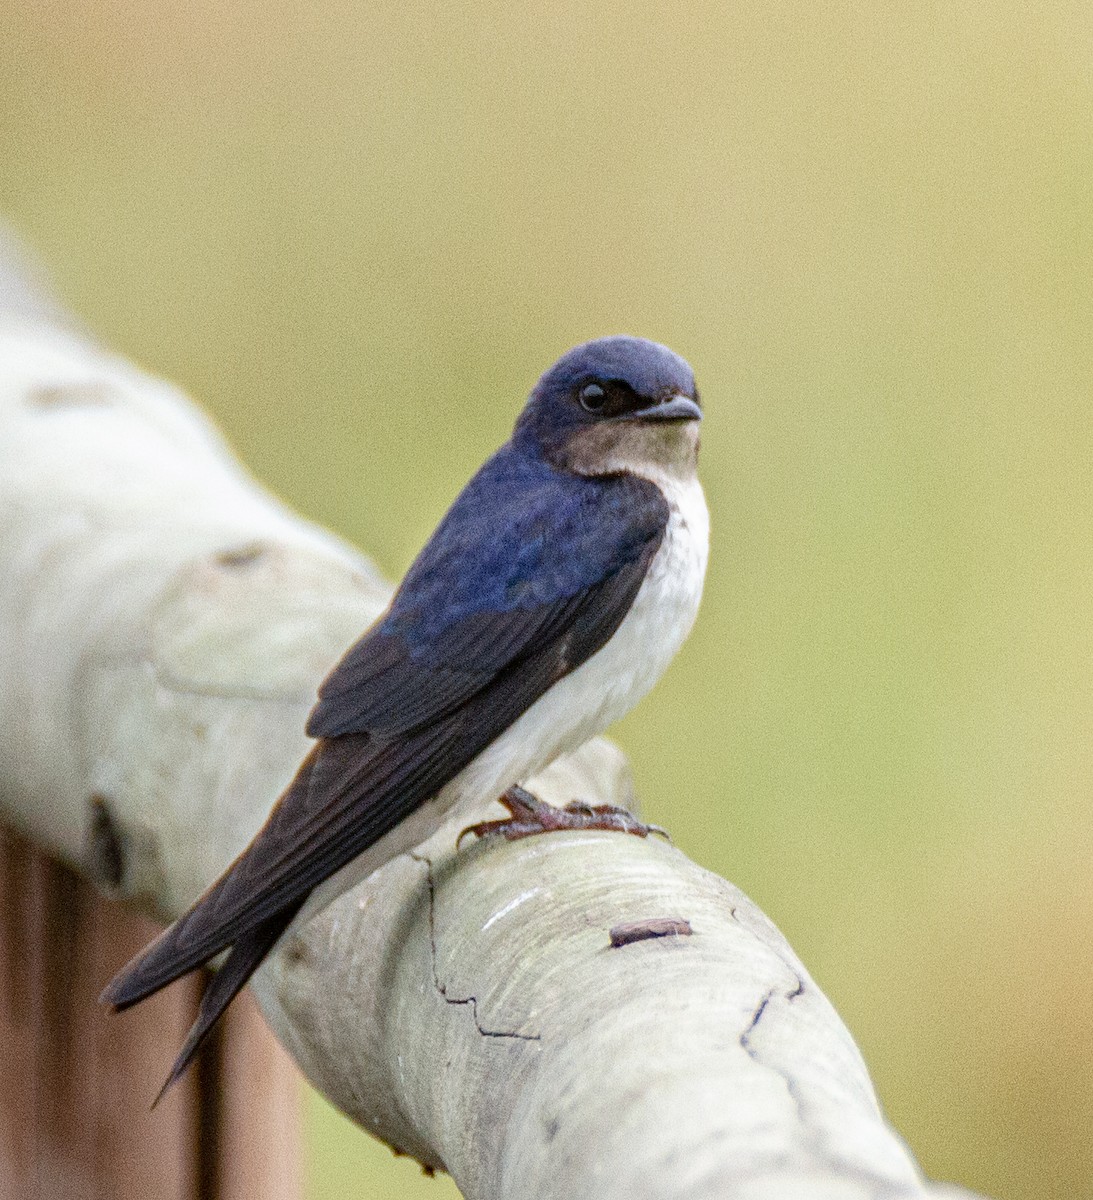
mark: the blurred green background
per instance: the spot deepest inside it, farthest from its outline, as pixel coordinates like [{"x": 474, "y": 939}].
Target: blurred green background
[{"x": 358, "y": 232}]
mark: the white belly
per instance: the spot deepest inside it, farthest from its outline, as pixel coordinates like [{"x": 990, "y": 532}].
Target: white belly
[
  {"x": 618, "y": 675},
  {"x": 583, "y": 703}
]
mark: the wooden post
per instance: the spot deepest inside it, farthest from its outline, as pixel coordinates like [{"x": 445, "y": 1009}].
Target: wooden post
[{"x": 76, "y": 1084}]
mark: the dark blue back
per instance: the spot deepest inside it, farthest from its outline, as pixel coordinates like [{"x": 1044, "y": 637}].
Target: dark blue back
[{"x": 523, "y": 534}]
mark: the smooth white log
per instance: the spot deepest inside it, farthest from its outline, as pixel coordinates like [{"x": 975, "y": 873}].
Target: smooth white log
[{"x": 164, "y": 625}]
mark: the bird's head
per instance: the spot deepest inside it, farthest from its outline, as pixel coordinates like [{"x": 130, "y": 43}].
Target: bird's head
[{"x": 618, "y": 404}]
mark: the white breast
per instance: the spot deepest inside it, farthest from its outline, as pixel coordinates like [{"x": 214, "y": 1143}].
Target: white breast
[
  {"x": 583, "y": 703},
  {"x": 617, "y": 676}
]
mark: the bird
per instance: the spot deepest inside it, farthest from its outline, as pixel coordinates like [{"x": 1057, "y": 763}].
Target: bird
[{"x": 548, "y": 601}]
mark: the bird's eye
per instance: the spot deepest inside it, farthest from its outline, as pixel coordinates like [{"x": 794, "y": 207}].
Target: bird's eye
[{"x": 592, "y": 397}]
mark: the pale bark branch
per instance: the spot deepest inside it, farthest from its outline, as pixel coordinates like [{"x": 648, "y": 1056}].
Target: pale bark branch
[{"x": 165, "y": 623}]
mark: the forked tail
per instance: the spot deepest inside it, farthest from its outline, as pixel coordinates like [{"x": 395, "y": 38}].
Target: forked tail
[{"x": 246, "y": 955}]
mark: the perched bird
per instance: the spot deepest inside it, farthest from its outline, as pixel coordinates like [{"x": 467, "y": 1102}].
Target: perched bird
[{"x": 549, "y": 600}]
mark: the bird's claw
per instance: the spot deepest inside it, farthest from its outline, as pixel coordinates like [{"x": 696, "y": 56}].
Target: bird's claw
[{"x": 531, "y": 816}]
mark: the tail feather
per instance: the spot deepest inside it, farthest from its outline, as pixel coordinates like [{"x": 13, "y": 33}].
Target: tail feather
[
  {"x": 216, "y": 920},
  {"x": 161, "y": 962},
  {"x": 244, "y": 959}
]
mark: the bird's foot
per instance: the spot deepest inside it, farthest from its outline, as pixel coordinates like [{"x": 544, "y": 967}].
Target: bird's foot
[{"x": 531, "y": 815}]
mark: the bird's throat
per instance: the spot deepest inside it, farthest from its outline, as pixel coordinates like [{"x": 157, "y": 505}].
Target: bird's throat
[{"x": 651, "y": 449}]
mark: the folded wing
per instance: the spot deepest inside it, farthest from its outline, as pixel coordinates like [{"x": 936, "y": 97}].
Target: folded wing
[{"x": 500, "y": 605}]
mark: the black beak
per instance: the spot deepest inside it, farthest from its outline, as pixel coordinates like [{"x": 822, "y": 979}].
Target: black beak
[{"x": 675, "y": 408}]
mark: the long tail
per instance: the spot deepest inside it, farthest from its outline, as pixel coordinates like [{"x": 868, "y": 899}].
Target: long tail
[
  {"x": 170, "y": 956},
  {"x": 244, "y": 959},
  {"x": 217, "y": 921},
  {"x": 218, "y": 918}
]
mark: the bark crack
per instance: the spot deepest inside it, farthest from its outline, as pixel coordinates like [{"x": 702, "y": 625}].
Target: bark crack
[
  {"x": 468, "y": 1002},
  {"x": 754, "y": 1055},
  {"x": 880, "y": 1188}
]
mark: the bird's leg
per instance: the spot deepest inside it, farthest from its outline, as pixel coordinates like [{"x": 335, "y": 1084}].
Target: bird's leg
[{"x": 531, "y": 815}]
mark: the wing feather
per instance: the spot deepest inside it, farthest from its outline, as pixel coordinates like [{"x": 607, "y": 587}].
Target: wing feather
[{"x": 410, "y": 705}]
